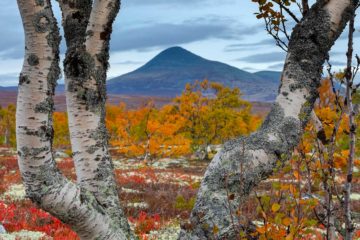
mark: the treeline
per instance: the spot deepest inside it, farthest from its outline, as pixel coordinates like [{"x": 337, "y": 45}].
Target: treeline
[{"x": 206, "y": 113}]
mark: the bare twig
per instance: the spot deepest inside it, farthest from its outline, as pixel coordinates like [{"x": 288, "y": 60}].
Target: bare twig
[
  {"x": 349, "y": 226},
  {"x": 278, "y": 41},
  {"x": 336, "y": 92}
]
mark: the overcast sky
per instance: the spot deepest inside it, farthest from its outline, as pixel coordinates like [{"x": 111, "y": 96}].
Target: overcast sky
[{"x": 225, "y": 31}]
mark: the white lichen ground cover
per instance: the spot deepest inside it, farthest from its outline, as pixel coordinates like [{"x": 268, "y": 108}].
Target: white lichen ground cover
[
  {"x": 165, "y": 171},
  {"x": 15, "y": 192},
  {"x": 24, "y": 234}
]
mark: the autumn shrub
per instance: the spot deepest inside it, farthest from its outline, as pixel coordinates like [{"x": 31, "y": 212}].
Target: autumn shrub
[
  {"x": 307, "y": 190},
  {"x": 7, "y": 126},
  {"x": 145, "y": 223},
  {"x": 67, "y": 167},
  {"x": 61, "y": 130},
  {"x": 16, "y": 217},
  {"x": 206, "y": 113},
  {"x": 195, "y": 185},
  {"x": 9, "y": 172},
  {"x": 22, "y": 214},
  {"x": 183, "y": 204},
  {"x": 129, "y": 181},
  {"x": 9, "y": 163}
]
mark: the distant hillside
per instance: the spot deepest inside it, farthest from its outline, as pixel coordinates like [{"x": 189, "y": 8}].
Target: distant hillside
[
  {"x": 8, "y": 89},
  {"x": 271, "y": 76},
  {"x": 168, "y": 72}
]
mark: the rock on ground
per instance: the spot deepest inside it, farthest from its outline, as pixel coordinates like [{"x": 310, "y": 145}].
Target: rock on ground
[{"x": 24, "y": 234}]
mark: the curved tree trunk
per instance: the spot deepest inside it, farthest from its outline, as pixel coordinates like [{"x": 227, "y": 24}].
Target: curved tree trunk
[
  {"x": 44, "y": 184},
  {"x": 257, "y": 154},
  {"x": 87, "y": 29}
]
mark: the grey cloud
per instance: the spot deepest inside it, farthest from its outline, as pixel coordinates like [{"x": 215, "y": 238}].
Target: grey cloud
[
  {"x": 11, "y": 51},
  {"x": 179, "y": 3},
  {"x": 338, "y": 53},
  {"x": 247, "y": 46},
  {"x": 262, "y": 42},
  {"x": 277, "y": 66},
  {"x": 233, "y": 31},
  {"x": 337, "y": 63},
  {"x": 128, "y": 62},
  {"x": 250, "y": 69},
  {"x": 166, "y": 34},
  {"x": 264, "y": 57},
  {"x": 269, "y": 41},
  {"x": 176, "y": 3},
  {"x": 12, "y": 35},
  {"x": 12, "y": 41},
  {"x": 9, "y": 79},
  {"x": 345, "y": 34}
]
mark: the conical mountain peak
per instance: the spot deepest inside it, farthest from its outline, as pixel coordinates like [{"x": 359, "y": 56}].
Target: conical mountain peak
[
  {"x": 169, "y": 71},
  {"x": 174, "y": 57}
]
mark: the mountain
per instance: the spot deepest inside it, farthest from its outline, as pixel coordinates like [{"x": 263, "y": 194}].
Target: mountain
[
  {"x": 60, "y": 88},
  {"x": 270, "y": 76},
  {"x": 168, "y": 72},
  {"x": 8, "y": 89}
]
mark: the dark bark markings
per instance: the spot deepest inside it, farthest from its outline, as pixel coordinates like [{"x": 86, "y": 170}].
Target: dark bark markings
[
  {"x": 44, "y": 184},
  {"x": 87, "y": 81}
]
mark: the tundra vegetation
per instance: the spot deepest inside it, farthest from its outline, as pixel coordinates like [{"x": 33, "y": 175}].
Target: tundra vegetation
[{"x": 304, "y": 150}]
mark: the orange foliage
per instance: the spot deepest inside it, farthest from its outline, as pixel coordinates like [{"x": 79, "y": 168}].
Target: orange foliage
[
  {"x": 206, "y": 113},
  {"x": 299, "y": 185},
  {"x": 61, "y": 130},
  {"x": 147, "y": 131}
]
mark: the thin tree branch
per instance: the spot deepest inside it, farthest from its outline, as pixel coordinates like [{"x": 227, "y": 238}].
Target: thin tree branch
[
  {"x": 288, "y": 11},
  {"x": 349, "y": 225},
  {"x": 305, "y": 7}
]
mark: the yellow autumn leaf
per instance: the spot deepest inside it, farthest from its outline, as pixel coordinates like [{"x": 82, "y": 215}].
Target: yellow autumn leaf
[
  {"x": 296, "y": 175},
  {"x": 261, "y": 230},
  {"x": 292, "y": 189},
  {"x": 289, "y": 237},
  {"x": 286, "y": 221},
  {"x": 340, "y": 160},
  {"x": 275, "y": 207},
  {"x": 215, "y": 230}
]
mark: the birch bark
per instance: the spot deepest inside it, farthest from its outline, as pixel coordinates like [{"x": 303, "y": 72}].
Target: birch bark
[
  {"x": 88, "y": 27},
  {"x": 309, "y": 45},
  {"x": 44, "y": 184}
]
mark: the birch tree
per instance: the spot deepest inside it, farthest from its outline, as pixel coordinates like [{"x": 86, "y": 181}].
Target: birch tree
[
  {"x": 91, "y": 206},
  {"x": 244, "y": 162}
]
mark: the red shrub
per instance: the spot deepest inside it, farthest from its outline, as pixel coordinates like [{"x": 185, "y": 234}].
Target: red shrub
[
  {"x": 67, "y": 167},
  {"x": 145, "y": 223},
  {"x": 9, "y": 163},
  {"x": 21, "y": 217}
]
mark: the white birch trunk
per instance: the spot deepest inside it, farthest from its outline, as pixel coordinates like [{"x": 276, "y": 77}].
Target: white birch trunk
[
  {"x": 44, "y": 184},
  {"x": 85, "y": 78}
]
